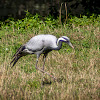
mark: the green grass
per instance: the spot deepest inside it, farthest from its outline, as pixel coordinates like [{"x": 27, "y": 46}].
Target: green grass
[{"x": 77, "y": 70}]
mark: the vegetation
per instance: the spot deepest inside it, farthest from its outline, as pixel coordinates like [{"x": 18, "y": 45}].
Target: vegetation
[{"x": 77, "y": 70}]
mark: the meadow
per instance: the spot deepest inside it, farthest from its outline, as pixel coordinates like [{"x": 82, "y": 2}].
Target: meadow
[{"x": 77, "y": 70}]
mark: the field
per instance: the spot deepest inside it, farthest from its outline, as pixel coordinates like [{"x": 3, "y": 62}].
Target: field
[{"x": 77, "y": 70}]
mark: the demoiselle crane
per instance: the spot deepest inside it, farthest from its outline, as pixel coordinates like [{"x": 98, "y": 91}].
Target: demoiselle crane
[{"x": 40, "y": 44}]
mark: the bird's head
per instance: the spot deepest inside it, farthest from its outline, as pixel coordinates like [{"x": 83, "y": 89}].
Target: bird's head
[{"x": 66, "y": 40}]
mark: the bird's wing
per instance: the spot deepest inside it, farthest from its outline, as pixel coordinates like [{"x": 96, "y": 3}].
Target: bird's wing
[
  {"x": 34, "y": 44},
  {"x": 41, "y": 42}
]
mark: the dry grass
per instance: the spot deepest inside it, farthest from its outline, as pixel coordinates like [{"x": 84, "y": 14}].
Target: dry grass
[{"x": 77, "y": 70}]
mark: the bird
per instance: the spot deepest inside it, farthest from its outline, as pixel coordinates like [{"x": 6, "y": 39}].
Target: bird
[{"x": 40, "y": 44}]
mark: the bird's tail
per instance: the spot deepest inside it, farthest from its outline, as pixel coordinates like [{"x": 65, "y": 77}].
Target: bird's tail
[{"x": 17, "y": 55}]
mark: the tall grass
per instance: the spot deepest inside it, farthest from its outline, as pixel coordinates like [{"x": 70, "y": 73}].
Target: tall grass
[{"x": 77, "y": 70}]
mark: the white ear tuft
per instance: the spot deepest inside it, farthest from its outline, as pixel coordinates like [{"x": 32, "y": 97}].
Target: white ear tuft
[{"x": 60, "y": 39}]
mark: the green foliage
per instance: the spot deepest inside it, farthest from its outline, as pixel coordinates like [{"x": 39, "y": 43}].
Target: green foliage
[
  {"x": 84, "y": 20},
  {"x": 51, "y": 22},
  {"x": 30, "y": 22},
  {"x": 35, "y": 22}
]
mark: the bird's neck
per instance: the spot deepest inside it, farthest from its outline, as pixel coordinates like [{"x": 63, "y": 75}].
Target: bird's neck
[{"x": 59, "y": 43}]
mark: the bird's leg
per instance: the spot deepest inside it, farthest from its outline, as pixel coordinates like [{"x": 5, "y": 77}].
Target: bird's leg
[
  {"x": 41, "y": 69},
  {"x": 45, "y": 73},
  {"x": 37, "y": 62},
  {"x": 44, "y": 59}
]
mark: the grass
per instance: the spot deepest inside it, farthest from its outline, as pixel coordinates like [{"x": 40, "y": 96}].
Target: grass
[{"x": 77, "y": 70}]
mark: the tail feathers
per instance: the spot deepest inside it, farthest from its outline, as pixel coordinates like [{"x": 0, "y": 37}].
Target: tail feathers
[
  {"x": 17, "y": 55},
  {"x": 14, "y": 61},
  {"x": 19, "y": 50}
]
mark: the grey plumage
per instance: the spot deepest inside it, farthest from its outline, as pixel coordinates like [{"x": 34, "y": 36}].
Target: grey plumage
[{"x": 40, "y": 44}]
